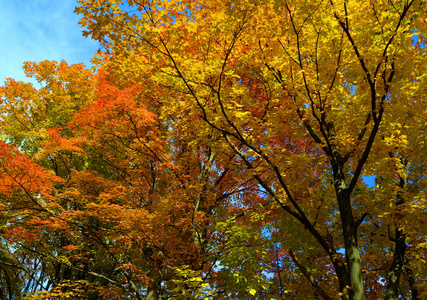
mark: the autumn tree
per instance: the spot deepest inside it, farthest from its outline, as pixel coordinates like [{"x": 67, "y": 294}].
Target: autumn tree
[
  {"x": 226, "y": 150},
  {"x": 165, "y": 185},
  {"x": 30, "y": 180},
  {"x": 123, "y": 208},
  {"x": 311, "y": 96}
]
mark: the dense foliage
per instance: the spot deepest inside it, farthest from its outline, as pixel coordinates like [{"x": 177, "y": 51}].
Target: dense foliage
[{"x": 222, "y": 150}]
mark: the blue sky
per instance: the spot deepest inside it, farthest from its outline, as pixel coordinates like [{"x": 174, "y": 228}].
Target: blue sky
[{"x": 37, "y": 30}]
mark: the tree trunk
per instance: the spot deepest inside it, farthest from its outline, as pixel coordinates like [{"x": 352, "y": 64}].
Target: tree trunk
[
  {"x": 411, "y": 280},
  {"x": 352, "y": 253},
  {"x": 152, "y": 290},
  {"x": 392, "y": 292},
  {"x": 349, "y": 226}
]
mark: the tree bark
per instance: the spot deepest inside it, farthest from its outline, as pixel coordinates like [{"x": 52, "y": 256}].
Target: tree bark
[
  {"x": 392, "y": 292},
  {"x": 352, "y": 253},
  {"x": 411, "y": 280},
  {"x": 349, "y": 231},
  {"x": 152, "y": 290}
]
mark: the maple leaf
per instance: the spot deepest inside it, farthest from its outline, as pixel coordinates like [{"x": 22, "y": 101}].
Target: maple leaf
[{"x": 221, "y": 150}]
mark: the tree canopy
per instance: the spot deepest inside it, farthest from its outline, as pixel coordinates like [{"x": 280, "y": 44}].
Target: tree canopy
[{"x": 222, "y": 150}]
